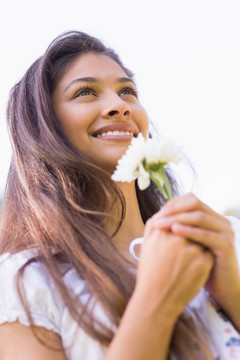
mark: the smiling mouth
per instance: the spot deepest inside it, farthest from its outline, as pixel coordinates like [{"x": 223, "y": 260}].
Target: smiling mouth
[{"x": 115, "y": 133}]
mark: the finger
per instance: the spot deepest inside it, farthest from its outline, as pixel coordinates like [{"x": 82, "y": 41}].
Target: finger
[
  {"x": 197, "y": 218},
  {"x": 216, "y": 241},
  {"x": 184, "y": 203},
  {"x": 208, "y": 259}
]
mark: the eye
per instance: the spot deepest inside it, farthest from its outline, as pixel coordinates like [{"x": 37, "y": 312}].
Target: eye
[
  {"x": 128, "y": 91},
  {"x": 86, "y": 91}
]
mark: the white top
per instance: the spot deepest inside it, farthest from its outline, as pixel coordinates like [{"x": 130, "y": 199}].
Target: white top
[{"x": 48, "y": 310}]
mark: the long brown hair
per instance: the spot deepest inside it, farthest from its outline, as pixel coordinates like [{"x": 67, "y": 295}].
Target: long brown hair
[{"x": 57, "y": 200}]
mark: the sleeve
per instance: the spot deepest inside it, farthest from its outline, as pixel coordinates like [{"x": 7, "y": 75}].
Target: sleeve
[
  {"x": 44, "y": 305},
  {"x": 235, "y": 223}
]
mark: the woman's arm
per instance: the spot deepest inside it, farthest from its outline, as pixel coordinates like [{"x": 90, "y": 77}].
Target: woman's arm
[
  {"x": 143, "y": 333},
  {"x": 187, "y": 216},
  {"x": 171, "y": 271},
  {"x": 17, "y": 342}
]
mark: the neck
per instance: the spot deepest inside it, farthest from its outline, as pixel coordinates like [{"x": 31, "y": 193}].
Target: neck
[{"x": 132, "y": 226}]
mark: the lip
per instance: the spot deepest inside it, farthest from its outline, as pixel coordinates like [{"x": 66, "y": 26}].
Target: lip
[{"x": 116, "y": 127}]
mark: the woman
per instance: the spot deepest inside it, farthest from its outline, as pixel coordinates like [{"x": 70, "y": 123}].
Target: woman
[{"x": 69, "y": 288}]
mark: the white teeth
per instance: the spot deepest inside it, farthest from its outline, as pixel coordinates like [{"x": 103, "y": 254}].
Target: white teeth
[{"x": 115, "y": 132}]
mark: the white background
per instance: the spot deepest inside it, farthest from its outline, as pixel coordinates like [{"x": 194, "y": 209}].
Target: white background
[{"x": 186, "y": 58}]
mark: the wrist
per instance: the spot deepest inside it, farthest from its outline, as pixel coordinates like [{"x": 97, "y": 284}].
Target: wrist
[{"x": 158, "y": 312}]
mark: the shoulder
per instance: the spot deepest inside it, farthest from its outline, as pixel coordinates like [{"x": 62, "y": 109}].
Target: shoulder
[
  {"x": 44, "y": 304},
  {"x": 27, "y": 345}
]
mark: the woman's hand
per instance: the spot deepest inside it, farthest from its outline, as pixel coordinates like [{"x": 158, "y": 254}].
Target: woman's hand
[
  {"x": 171, "y": 270},
  {"x": 188, "y": 217}
]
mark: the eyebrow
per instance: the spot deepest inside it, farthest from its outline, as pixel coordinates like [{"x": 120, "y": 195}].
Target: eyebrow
[{"x": 90, "y": 79}]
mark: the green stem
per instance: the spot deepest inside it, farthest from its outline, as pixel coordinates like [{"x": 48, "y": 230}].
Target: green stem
[
  {"x": 167, "y": 185},
  {"x": 162, "y": 183}
]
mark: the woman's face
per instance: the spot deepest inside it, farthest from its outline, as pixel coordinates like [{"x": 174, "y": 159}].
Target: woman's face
[{"x": 97, "y": 106}]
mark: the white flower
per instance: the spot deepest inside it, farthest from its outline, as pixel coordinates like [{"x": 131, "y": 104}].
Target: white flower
[
  {"x": 128, "y": 164},
  {"x": 161, "y": 150},
  {"x": 145, "y": 160}
]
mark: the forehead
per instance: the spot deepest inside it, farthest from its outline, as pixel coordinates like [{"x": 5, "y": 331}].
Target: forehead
[{"x": 94, "y": 65}]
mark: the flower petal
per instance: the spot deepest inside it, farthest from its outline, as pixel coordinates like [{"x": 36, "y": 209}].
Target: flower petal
[
  {"x": 143, "y": 177},
  {"x": 143, "y": 182}
]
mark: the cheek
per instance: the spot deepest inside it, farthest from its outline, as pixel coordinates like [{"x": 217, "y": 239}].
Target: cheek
[
  {"x": 143, "y": 122},
  {"x": 73, "y": 120}
]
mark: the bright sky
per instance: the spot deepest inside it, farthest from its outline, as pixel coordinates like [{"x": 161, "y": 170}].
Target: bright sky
[{"x": 186, "y": 58}]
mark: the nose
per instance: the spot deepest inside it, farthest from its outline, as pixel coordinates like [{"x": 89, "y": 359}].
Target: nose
[{"x": 116, "y": 108}]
